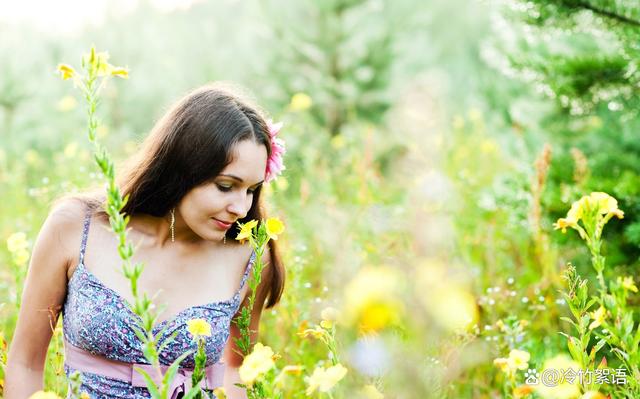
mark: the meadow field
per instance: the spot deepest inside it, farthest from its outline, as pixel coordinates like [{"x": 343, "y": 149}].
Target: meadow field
[{"x": 461, "y": 199}]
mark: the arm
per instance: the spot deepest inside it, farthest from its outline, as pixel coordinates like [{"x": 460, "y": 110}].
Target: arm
[
  {"x": 44, "y": 292},
  {"x": 232, "y": 358}
]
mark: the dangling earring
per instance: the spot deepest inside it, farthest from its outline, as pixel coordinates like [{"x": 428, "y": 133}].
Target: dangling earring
[
  {"x": 172, "y": 227},
  {"x": 224, "y": 239}
]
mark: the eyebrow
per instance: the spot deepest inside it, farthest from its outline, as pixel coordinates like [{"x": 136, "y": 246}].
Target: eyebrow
[{"x": 239, "y": 179}]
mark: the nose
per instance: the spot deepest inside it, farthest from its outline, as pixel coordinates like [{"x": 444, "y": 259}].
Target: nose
[{"x": 240, "y": 205}]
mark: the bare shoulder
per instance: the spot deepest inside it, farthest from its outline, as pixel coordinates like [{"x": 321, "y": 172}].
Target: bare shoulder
[
  {"x": 64, "y": 226},
  {"x": 46, "y": 284},
  {"x": 68, "y": 209}
]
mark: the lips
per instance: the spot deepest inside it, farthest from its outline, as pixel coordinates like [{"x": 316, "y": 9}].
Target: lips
[{"x": 224, "y": 225}]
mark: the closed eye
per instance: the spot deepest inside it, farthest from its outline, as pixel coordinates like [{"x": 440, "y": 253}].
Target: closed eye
[{"x": 225, "y": 189}]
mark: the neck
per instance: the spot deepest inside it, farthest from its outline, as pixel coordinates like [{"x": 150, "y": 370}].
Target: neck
[{"x": 158, "y": 230}]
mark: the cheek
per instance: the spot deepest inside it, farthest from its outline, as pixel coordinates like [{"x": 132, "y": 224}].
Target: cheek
[
  {"x": 197, "y": 201},
  {"x": 209, "y": 198}
]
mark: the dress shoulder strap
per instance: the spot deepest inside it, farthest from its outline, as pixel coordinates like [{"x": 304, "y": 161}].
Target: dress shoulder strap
[
  {"x": 85, "y": 233},
  {"x": 252, "y": 260}
]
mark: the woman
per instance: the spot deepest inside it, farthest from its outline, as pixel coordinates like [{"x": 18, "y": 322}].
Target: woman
[{"x": 199, "y": 173}]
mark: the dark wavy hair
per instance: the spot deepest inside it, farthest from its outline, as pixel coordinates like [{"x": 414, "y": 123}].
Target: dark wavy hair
[{"x": 190, "y": 145}]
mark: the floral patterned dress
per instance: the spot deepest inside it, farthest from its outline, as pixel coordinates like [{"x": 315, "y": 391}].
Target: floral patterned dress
[{"x": 96, "y": 319}]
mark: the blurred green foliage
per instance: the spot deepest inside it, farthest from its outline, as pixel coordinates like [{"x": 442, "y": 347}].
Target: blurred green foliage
[{"x": 415, "y": 135}]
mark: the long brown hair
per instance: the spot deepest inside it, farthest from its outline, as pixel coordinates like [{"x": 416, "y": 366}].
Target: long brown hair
[{"x": 190, "y": 145}]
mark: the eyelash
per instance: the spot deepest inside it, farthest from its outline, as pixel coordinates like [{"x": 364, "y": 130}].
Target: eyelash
[{"x": 226, "y": 189}]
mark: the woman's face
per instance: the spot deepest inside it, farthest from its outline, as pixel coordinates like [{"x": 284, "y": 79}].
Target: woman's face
[{"x": 228, "y": 197}]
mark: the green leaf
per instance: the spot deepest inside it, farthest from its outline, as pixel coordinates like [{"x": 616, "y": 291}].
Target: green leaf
[
  {"x": 575, "y": 349},
  {"x": 568, "y": 320},
  {"x": 621, "y": 354},
  {"x": 171, "y": 371},
  {"x": 192, "y": 393},
  {"x": 598, "y": 346},
  {"x": 151, "y": 385}
]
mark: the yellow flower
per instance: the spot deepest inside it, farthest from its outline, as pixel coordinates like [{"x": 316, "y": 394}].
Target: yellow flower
[
  {"x": 605, "y": 203},
  {"x": 281, "y": 183},
  {"x": 84, "y": 395},
  {"x": 32, "y": 156},
  {"x": 120, "y": 72},
  {"x": 67, "y": 103},
  {"x": 97, "y": 63},
  {"x": 274, "y": 228},
  {"x": 71, "y": 149},
  {"x": 324, "y": 379},
  {"x": 561, "y": 388},
  {"x": 329, "y": 316},
  {"x": 575, "y": 213},
  {"x": 627, "y": 283},
  {"x": 21, "y": 257},
  {"x": 488, "y": 146},
  {"x": 601, "y": 203},
  {"x": 596, "y": 203},
  {"x": 17, "y": 241},
  {"x": 220, "y": 393},
  {"x": 598, "y": 317},
  {"x": 300, "y": 102},
  {"x": 371, "y": 299},
  {"x": 452, "y": 306},
  {"x": 371, "y": 392},
  {"x": 519, "y": 359},
  {"x": 286, "y": 371},
  {"x": 256, "y": 364},
  {"x": 593, "y": 395},
  {"x": 199, "y": 328},
  {"x": 293, "y": 369},
  {"x": 563, "y": 223},
  {"x": 338, "y": 141},
  {"x": 447, "y": 301},
  {"x": 102, "y": 65},
  {"x": 502, "y": 363},
  {"x": 66, "y": 71},
  {"x": 522, "y": 391},
  {"x": 312, "y": 332},
  {"x": 376, "y": 316},
  {"x": 44, "y": 395},
  {"x": 245, "y": 230}
]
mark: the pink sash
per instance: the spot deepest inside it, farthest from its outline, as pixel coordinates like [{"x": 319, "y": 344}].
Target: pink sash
[{"x": 85, "y": 361}]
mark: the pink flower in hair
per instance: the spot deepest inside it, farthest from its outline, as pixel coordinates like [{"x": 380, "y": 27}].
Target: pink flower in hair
[{"x": 274, "y": 164}]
